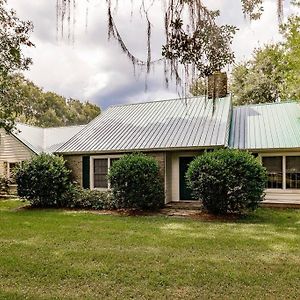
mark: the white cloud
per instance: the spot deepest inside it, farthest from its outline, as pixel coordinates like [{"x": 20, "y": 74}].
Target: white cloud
[{"x": 97, "y": 70}]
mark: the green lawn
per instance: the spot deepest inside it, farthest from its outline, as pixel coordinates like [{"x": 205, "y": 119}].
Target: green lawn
[{"x": 48, "y": 254}]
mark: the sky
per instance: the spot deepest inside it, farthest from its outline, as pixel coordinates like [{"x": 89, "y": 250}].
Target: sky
[{"x": 95, "y": 69}]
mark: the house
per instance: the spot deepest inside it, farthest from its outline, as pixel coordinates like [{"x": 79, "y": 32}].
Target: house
[
  {"x": 26, "y": 141},
  {"x": 175, "y": 131}
]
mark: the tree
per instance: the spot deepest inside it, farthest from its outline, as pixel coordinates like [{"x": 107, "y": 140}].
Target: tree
[
  {"x": 273, "y": 72},
  {"x": 14, "y": 34},
  {"x": 261, "y": 79},
  {"x": 196, "y": 45},
  {"x": 47, "y": 109},
  {"x": 198, "y": 87},
  {"x": 291, "y": 34}
]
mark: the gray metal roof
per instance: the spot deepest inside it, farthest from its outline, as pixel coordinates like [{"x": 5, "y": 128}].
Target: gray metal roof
[
  {"x": 46, "y": 140},
  {"x": 177, "y": 123},
  {"x": 266, "y": 126}
]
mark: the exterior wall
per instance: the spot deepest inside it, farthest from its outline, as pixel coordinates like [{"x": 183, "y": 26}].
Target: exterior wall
[
  {"x": 11, "y": 151},
  {"x": 160, "y": 157},
  {"x": 74, "y": 162},
  {"x": 168, "y": 177},
  {"x": 169, "y": 166}
]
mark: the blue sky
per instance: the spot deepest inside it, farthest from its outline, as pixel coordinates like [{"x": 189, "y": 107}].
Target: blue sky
[{"x": 96, "y": 70}]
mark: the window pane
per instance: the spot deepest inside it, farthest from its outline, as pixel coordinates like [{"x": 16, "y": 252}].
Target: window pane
[
  {"x": 293, "y": 172},
  {"x": 100, "y": 173},
  {"x": 274, "y": 170}
]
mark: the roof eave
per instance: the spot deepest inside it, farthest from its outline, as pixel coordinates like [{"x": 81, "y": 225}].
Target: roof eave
[{"x": 193, "y": 148}]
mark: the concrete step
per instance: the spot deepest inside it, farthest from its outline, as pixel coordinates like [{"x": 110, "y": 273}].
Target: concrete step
[{"x": 192, "y": 205}]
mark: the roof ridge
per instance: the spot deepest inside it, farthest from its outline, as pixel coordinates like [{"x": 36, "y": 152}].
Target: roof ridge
[
  {"x": 70, "y": 126},
  {"x": 164, "y": 100},
  {"x": 55, "y": 127},
  {"x": 267, "y": 103}
]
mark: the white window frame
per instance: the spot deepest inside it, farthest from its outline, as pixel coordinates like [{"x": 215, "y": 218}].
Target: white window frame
[
  {"x": 108, "y": 157},
  {"x": 283, "y": 155}
]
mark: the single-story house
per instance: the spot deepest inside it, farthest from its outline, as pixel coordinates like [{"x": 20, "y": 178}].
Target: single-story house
[
  {"x": 175, "y": 131},
  {"x": 26, "y": 141}
]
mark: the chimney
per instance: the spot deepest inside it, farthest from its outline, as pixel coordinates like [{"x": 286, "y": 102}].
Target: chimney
[{"x": 217, "y": 85}]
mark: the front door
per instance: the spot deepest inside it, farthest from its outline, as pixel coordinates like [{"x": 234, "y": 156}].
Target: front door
[{"x": 184, "y": 191}]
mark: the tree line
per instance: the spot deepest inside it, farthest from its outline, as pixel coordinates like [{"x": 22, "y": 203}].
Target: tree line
[{"x": 47, "y": 109}]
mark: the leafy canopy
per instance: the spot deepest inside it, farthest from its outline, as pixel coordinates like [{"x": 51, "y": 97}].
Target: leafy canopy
[
  {"x": 273, "y": 72},
  {"x": 227, "y": 181},
  {"x": 14, "y": 35},
  {"x": 47, "y": 109}
]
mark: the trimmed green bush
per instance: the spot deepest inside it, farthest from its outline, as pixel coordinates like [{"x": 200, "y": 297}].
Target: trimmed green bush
[
  {"x": 137, "y": 183},
  {"x": 227, "y": 181},
  {"x": 44, "y": 181},
  {"x": 4, "y": 185},
  {"x": 89, "y": 199}
]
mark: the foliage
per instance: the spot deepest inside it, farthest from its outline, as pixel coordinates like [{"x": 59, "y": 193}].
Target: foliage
[
  {"x": 259, "y": 80},
  {"x": 207, "y": 47},
  {"x": 273, "y": 72},
  {"x": 195, "y": 43},
  {"x": 4, "y": 185},
  {"x": 198, "y": 87},
  {"x": 47, "y": 109},
  {"x": 44, "y": 181},
  {"x": 227, "y": 181},
  {"x": 89, "y": 199},
  {"x": 291, "y": 33},
  {"x": 14, "y": 36},
  {"x": 136, "y": 182}
]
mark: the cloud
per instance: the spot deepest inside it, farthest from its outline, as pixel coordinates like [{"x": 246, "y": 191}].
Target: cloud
[{"x": 97, "y": 70}]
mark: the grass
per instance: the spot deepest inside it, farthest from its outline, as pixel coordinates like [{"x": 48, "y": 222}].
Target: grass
[{"x": 48, "y": 254}]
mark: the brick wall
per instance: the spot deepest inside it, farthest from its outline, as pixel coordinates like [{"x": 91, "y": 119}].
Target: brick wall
[{"x": 74, "y": 162}]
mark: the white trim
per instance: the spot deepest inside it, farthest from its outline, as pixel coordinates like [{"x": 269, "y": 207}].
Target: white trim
[
  {"x": 175, "y": 171},
  {"x": 92, "y": 158}
]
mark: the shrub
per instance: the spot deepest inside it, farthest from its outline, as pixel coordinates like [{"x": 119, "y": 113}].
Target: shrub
[
  {"x": 89, "y": 199},
  {"x": 136, "y": 182},
  {"x": 227, "y": 181},
  {"x": 44, "y": 181},
  {"x": 4, "y": 185}
]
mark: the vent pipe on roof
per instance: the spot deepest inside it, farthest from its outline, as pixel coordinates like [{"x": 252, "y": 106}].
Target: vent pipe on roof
[{"x": 217, "y": 85}]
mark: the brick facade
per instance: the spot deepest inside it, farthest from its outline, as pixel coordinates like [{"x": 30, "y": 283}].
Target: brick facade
[{"x": 74, "y": 162}]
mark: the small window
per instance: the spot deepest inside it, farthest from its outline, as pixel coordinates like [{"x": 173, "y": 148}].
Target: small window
[
  {"x": 100, "y": 173},
  {"x": 293, "y": 172},
  {"x": 274, "y": 170}
]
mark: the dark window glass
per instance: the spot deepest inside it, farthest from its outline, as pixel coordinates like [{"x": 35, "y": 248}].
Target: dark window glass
[
  {"x": 274, "y": 170},
  {"x": 293, "y": 172},
  {"x": 100, "y": 173}
]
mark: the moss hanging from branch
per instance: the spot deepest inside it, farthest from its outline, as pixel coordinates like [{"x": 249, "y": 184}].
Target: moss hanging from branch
[{"x": 194, "y": 47}]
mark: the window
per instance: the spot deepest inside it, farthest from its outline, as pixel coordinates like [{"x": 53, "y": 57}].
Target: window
[
  {"x": 100, "y": 173},
  {"x": 274, "y": 170},
  {"x": 100, "y": 169},
  {"x": 293, "y": 172}
]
